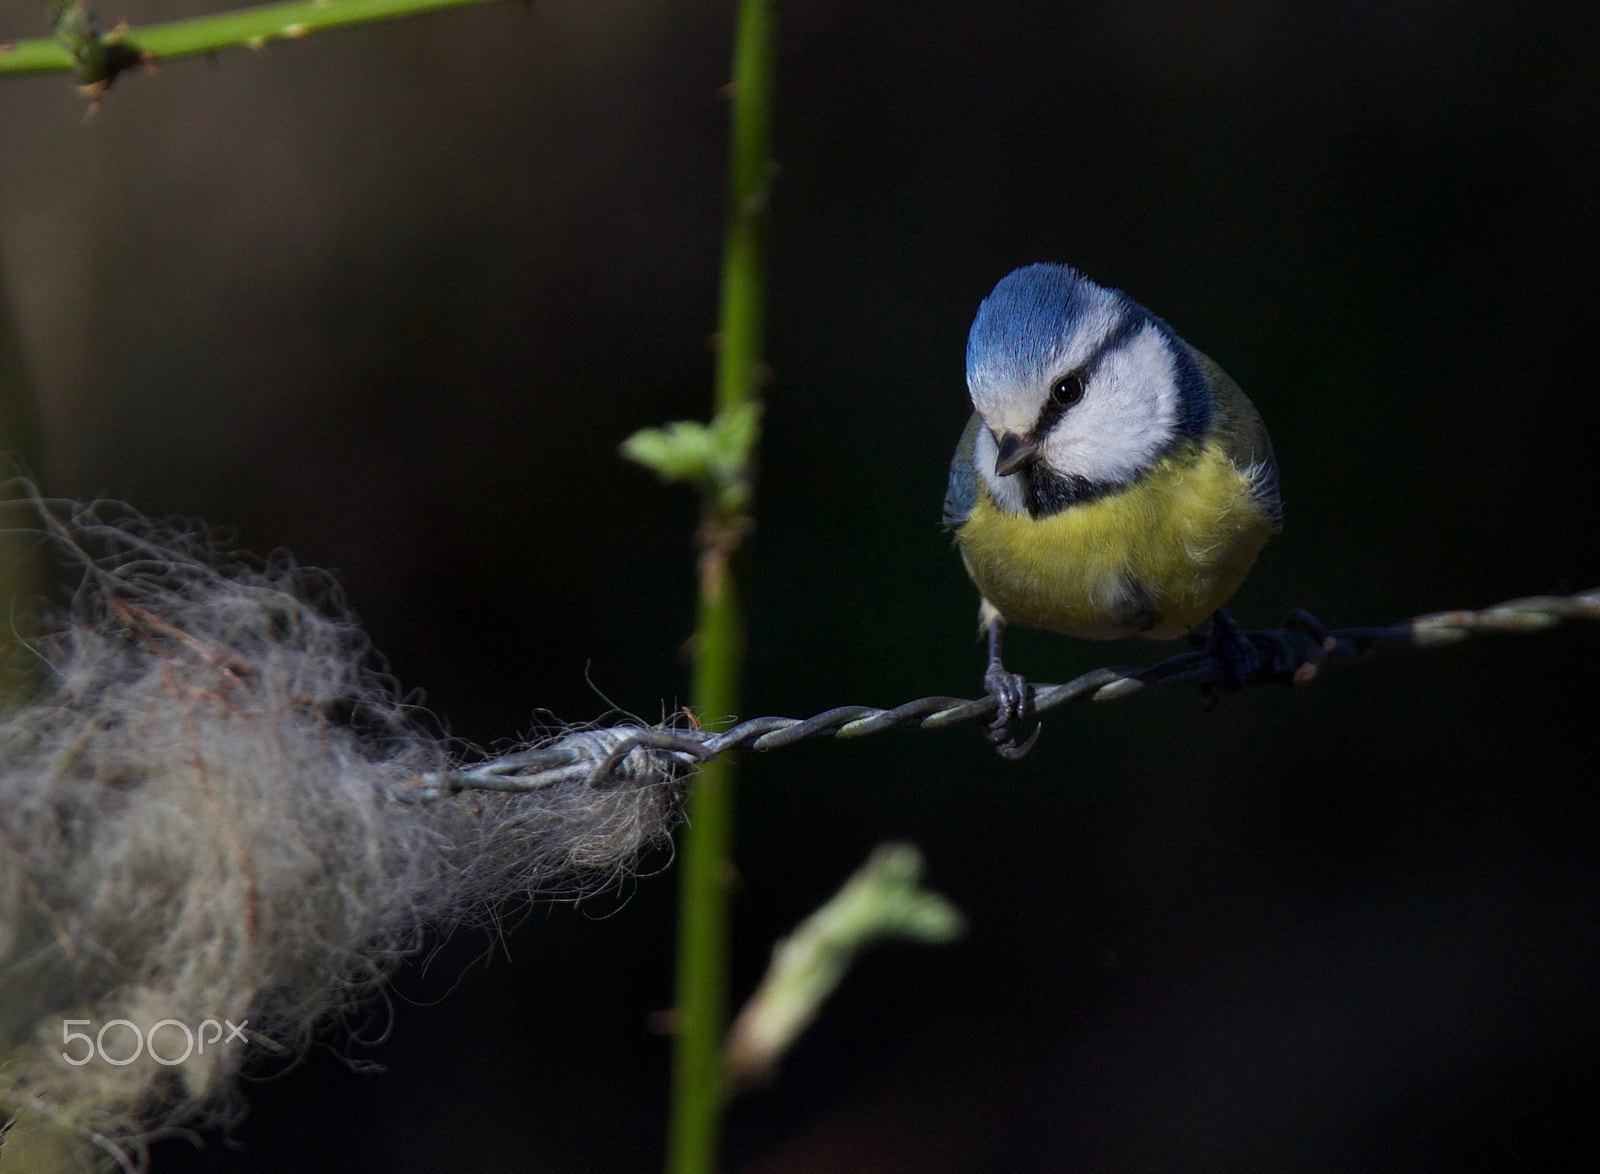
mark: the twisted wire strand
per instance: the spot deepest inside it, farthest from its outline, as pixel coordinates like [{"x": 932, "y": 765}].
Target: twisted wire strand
[{"x": 1292, "y": 654}]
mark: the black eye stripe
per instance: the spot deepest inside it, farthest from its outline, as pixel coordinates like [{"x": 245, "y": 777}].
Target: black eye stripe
[
  {"x": 1055, "y": 408},
  {"x": 1065, "y": 391}
]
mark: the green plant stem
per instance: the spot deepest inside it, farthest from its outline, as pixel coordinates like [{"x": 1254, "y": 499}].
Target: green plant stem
[
  {"x": 246, "y": 28},
  {"x": 698, "y": 1080},
  {"x": 22, "y": 571},
  {"x": 30, "y": 1144}
]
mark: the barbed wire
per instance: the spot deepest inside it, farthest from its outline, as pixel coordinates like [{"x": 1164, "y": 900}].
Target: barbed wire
[{"x": 1292, "y": 654}]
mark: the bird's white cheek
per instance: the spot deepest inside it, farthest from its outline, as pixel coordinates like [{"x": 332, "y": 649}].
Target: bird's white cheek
[
  {"x": 1113, "y": 449},
  {"x": 1126, "y": 419}
]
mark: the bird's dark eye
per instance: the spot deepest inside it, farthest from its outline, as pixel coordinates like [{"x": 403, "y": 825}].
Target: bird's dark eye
[{"x": 1067, "y": 390}]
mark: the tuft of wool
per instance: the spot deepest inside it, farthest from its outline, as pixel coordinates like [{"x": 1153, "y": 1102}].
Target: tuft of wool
[{"x": 198, "y": 822}]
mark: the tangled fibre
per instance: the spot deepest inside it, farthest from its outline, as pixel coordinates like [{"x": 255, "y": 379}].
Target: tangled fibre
[{"x": 202, "y": 817}]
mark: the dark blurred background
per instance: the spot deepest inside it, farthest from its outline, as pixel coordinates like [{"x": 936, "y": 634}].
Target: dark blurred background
[{"x": 392, "y": 297}]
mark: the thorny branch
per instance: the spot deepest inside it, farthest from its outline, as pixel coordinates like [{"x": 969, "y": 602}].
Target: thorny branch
[
  {"x": 1295, "y": 653},
  {"x": 97, "y": 57}
]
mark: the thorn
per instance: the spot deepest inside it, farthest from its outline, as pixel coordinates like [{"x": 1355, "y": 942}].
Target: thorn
[
  {"x": 728, "y": 92},
  {"x": 95, "y": 92}
]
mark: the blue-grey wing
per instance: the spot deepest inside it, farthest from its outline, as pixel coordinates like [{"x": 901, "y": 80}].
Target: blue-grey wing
[
  {"x": 1244, "y": 438},
  {"x": 962, "y": 492}
]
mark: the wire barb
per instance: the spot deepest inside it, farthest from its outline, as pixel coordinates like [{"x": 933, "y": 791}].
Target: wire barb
[{"x": 1294, "y": 653}]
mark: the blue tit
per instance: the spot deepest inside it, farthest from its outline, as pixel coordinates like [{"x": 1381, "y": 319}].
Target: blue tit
[{"x": 1113, "y": 480}]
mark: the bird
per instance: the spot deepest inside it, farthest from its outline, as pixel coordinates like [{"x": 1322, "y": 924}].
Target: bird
[{"x": 1112, "y": 480}]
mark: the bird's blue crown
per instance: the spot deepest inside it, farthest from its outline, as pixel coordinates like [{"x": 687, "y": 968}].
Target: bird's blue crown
[{"x": 1020, "y": 328}]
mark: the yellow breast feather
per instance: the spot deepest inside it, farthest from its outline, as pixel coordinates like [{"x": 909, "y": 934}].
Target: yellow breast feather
[{"x": 1153, "y": 559}]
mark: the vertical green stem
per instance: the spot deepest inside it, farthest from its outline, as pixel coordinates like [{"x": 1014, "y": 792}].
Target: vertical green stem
[
  {"x": 30, "y": 1144},
  {"x": 698, "y": 1081},
  {"x": 21, "y": 565}
]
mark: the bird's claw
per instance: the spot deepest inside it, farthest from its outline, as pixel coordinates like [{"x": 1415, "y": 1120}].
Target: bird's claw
[
  {"x": 1241, "y": 660},
  {"x": 1244, "y": 658},
  {"x": 1301, "y": 620},
  {"x": 1013, "y": 707},
  {"x": 1009, "y": 748}
]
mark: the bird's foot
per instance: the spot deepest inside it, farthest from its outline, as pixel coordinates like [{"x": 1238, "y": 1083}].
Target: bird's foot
[
  {"x": 1240, "y": 658},
  {"x": 1300, "y": 620},
  {"x": 1013, "y": 708},
  {"x": 1289, "y": 654}
]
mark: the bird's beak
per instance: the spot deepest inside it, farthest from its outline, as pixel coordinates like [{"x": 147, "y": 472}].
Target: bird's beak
[{"x": 1016, "y": 453}]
